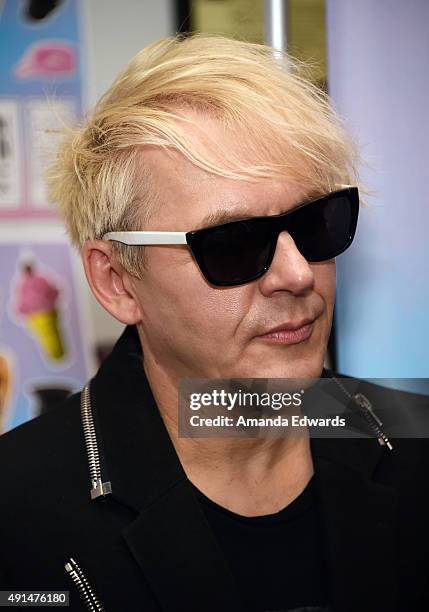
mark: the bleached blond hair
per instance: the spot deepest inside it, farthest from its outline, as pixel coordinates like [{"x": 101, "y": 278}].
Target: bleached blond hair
[{"x": 286, "y": 125}]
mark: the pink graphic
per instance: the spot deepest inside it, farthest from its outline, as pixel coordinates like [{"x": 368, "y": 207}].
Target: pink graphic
[
  {"x": 47, "y": 59},
  {"x": 37, "y": 298},
  {"x": 36, "y": 292}
]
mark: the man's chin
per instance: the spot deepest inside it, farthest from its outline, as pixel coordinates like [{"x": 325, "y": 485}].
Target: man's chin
[{"x": 299, "y": 369}]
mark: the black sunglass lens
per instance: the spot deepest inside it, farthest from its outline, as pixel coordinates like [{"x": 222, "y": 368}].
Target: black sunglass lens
[
  {"x": 235, "y": 252},
  {"x": 324, "y": 229}
]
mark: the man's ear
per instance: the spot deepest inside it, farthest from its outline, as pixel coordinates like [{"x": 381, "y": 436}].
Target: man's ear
[{"x": 109, "y": 282}]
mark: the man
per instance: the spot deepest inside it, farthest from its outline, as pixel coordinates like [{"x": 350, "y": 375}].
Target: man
[{"x": 194, "y": 135}]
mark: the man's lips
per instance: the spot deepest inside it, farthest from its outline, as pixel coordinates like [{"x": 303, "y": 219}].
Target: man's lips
[
  {"x": 291, "y": 332},
  {"x": 288, "y": 326}
]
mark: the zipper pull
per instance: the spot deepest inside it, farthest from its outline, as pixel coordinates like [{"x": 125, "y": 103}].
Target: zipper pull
[
  {"x": 100, "y": 488},
  {"x": 373, "y": 420}
]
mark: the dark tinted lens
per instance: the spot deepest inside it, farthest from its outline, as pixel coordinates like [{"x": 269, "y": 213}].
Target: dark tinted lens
[
  {"x": 235, "y": 252},
  {"x": 323, "y": 229},
  {"x": 238, "y": 252}
]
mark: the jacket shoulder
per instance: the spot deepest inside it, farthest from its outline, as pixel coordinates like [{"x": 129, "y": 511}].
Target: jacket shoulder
[
  {"x": 41, "y": 455},
  {"x": 404, "y": 416}
]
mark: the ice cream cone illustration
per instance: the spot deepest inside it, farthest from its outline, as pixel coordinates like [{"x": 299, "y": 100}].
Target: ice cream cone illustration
[{"x": 37, "y": 302}]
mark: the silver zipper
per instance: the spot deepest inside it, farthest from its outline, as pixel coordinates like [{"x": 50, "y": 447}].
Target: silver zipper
[
  {"x": 98, "y": 487},
  {"x": 368, "y": 413},
  {"x": 83, "y": 586}
]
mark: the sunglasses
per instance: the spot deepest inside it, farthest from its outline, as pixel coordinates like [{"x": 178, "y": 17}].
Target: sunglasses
[{"x": 239, "y": 252}]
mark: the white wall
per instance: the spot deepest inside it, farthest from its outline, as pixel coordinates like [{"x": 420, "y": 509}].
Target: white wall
[
  {"x": 115, "y": 31},
  {"x": 378, "y": 77}
]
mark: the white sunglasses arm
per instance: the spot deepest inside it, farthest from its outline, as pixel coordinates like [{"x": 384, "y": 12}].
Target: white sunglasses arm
[{"x": 140, "y": 238}]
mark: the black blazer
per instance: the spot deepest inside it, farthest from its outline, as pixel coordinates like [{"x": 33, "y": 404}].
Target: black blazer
[{"x": 148, "y": 547}]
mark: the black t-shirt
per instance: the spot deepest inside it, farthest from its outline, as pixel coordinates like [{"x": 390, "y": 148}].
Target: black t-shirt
[{"x": 276, "y": 559}]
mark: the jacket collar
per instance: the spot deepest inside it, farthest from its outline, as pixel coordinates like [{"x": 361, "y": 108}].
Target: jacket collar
[{"x": 171, "y": 540}]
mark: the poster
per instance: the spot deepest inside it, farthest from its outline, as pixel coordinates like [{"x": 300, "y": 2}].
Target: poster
[
  {"x": 10, "y": 156},
  {"x": 43, "y": 348},
  {"x": 40, "y": 93},
  {"x": 44, "y": 340}
]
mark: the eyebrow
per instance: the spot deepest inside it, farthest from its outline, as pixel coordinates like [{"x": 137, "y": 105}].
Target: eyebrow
[{"x": 224, "y": 215}]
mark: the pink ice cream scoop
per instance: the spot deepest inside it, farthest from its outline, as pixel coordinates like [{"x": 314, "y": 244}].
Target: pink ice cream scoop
[
  {"x": 47, "y": 59},
  {"x": 36, "y": 294}
]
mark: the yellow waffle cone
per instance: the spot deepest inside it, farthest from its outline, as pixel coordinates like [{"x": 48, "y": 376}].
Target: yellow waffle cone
[{"x": 44, "y": 327}]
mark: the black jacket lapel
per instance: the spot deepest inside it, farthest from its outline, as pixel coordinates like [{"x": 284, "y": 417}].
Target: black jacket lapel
[
  {"x": 175, "y": 548},
  {"x": 358, "y": 522}
]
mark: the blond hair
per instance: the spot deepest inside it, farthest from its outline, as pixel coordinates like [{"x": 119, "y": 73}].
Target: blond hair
[{"x": 286, "y": 125}]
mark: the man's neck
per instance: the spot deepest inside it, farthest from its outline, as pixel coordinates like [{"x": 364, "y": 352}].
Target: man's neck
[{"x": 251, "y": 477}]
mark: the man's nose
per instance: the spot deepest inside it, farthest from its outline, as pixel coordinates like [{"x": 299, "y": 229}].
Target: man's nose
[{"x": 289, "y": 270}]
